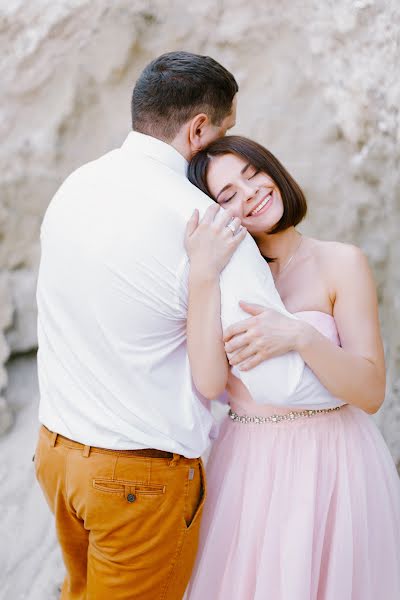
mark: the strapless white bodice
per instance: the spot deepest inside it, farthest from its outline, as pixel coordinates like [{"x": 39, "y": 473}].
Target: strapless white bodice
[
  {"x": 323, "y": 322},
  {"x": 241, "y": 401}
]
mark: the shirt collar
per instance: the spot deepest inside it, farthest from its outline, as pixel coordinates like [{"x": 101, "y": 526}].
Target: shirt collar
[{"x": 146, "y": 144}]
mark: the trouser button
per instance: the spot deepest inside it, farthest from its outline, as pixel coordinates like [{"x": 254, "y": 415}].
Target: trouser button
[{"x": 131, "y": 497}]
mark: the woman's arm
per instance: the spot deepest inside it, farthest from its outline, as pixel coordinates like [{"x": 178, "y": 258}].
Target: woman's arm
[
  {"x": 209, "y": 244},
  {"x": 208, "y": 361},
  {"x": 354, "y": 372}
]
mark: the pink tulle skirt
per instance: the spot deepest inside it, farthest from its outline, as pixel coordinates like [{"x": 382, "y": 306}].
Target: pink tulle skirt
[{"x": 302, "y": 510}]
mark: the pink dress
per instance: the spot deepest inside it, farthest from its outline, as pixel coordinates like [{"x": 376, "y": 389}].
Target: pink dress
[{"x": 307, "y": 509}]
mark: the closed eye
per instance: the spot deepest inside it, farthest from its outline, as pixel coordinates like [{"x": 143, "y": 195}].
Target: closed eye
[
  {"x": 254, "y": 174},
  {"x": 225, "y": 200}
]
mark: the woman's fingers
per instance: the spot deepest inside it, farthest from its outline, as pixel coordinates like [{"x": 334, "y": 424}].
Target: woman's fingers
[
  {"x": 210, "y": 214},
  {"x": 242, "y": 355},
  {"x": 254, "y": 309},
  {"x": 251, "y": 363},
  {"x": 236, "y": 328},
  {"x": 226, "y": 220},
  {"x": 192, "y": 224},
  {"x": 207, "y": 241},
  {"x": 239, "y": 235},
  {"x": 239, "y": 341},
  {"x": 223, "y": 217},
  {"x": 233, "y": 226}
]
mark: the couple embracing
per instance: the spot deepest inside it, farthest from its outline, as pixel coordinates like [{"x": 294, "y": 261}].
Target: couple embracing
[{"x": 172, "y": 274}]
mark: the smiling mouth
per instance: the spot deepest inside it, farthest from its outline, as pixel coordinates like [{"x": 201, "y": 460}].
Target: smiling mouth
[{"x": 262, "y": 204}]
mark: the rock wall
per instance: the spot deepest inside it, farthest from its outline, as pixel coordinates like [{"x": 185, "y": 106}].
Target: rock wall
[{"x": 318, "y": 87}]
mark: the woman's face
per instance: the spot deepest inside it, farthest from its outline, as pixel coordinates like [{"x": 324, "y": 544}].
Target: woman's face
[{"x": 251, "y": 195}]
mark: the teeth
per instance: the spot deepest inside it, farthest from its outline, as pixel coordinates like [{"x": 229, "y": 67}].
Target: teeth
[{"x": 260, "y": 206}]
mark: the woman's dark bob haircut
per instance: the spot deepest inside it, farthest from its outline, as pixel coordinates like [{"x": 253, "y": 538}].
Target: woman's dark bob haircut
[{"x": 294, "y": 202}]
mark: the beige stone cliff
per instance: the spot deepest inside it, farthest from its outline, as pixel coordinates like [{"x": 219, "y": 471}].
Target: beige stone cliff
[{"x": 318, "y": 87}]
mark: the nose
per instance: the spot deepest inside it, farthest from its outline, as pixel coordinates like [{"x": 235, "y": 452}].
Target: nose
[{"x": 249, "y": 191}]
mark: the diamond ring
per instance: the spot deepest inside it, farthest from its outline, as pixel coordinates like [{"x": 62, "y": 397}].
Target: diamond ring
[{"x": 232, "y": 227}]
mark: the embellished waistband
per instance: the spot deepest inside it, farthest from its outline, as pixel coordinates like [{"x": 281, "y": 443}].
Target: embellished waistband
[{"x": 290, "y": 416}]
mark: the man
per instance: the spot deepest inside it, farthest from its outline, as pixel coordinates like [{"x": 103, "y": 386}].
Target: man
[{"x": 122, "y": 425}]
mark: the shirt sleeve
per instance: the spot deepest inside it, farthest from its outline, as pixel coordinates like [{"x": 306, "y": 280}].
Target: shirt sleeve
[{"x": 247, "y": 277}]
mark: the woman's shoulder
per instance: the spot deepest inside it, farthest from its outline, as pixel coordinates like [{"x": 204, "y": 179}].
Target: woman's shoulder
[
  {"x": 338, "y": 257},
  {"x": 332, "y": 251}
]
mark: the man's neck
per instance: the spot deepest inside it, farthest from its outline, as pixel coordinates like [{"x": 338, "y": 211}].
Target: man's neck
[{"x": 181, "y": 148}]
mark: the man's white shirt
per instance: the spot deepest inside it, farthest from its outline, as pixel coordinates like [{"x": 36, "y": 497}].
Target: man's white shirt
[{"x": 112, "y": 301}]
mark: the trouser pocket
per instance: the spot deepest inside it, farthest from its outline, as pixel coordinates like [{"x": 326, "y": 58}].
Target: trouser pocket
[
  {"x": 196, "y": 491},
  {"x": 130, "y": 490}
]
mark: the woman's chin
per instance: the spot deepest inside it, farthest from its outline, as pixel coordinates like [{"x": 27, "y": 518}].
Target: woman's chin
[
  {"x": 259, "y": 228},
  {"x": 263, "y": 223}
]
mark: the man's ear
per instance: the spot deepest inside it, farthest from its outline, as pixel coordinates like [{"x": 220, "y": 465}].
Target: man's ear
[{"x": 197, "y": 131}]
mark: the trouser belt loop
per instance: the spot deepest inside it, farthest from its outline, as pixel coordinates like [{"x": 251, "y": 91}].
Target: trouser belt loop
[
  {"x": 86, "y": 451},
  {"x": 175, "y": 460},
  {"x": 53, "y": 439}
]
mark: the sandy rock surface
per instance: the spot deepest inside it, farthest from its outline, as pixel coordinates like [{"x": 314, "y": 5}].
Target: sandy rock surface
[{"x": 30, "y": 561}]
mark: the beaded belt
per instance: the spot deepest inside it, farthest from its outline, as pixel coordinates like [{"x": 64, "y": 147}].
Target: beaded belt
[{"x": 291, "y": 416}]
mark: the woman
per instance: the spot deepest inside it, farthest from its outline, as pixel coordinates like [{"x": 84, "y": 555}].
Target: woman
[{"x": 302, "y": 505}]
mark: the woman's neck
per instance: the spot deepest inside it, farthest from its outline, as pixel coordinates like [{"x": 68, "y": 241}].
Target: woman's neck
[{"x": 279, "y": 246}]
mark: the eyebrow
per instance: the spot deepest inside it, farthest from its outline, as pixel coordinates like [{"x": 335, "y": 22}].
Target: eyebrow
[{"x": 228, "y": 185}]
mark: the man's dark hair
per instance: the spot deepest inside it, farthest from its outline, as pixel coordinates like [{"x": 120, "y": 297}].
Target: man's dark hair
[
  {"x": 294, "y": 202},
  {"x": 175, "y": 87}
]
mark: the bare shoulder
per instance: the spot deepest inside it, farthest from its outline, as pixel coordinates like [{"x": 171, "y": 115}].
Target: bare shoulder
[
  {"x": 338, "y": 256},
  {"x": 344, "y": 268}
]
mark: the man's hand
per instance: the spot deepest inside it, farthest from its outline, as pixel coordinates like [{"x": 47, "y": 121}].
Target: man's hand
[{"x": 267, "y": 333}]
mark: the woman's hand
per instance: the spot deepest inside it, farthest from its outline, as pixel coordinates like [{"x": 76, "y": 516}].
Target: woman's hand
[
  {"x": 211, "y": 241},
  {"x": 267, "y": 333}
]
